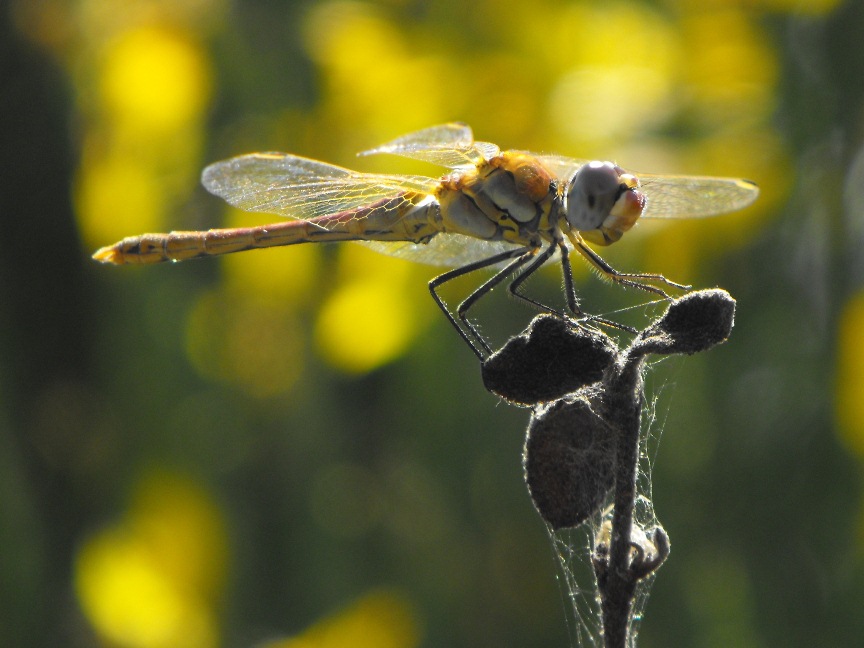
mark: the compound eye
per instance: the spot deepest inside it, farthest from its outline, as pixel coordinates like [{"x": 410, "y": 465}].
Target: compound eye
[{"x": 591, "y": 194}]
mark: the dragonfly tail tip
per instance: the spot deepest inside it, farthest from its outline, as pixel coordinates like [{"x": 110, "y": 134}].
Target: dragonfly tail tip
[{"x": 108, "y": 255}]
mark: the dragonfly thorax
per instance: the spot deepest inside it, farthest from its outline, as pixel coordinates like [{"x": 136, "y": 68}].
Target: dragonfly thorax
[
  {"x": 602, "y": 202},
  {"x": 508, "y": 197}
]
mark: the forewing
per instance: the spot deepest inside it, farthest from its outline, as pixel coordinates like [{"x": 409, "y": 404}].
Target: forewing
[
  {"x": 694, "y": 196},
  {"x": 297, "y": 187},
  {"x": 451, "y": 145}
]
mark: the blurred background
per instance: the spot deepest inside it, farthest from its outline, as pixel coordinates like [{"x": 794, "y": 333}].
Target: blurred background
[{"x": 292, "y": 447}]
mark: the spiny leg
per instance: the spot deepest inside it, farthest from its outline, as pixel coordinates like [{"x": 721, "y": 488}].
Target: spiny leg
[
  {"x": 570, "y": 293},
  {"x": 536, "y": 262},
  {"x": 478, "y": 345},
  {"x": 569, "y": 290},
  {"x": 625, "y": 278}
]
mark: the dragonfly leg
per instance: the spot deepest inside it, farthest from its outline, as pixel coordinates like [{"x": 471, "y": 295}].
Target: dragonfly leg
[
  {"x": 569, "y": 287},
  {"x": 485, "y": 288},
  {"x": 475, "y": 341},
  {"x": 538, "y": 261},
  {"x": 569, "y": 290},
  {"x": 634, "y": 280}
]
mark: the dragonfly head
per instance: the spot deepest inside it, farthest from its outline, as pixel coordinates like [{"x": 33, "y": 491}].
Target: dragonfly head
[{"x": 602, "y": 202}]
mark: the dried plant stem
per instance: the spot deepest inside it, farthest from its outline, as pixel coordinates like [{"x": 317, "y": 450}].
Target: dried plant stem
[{"x": 617, "y": 579}]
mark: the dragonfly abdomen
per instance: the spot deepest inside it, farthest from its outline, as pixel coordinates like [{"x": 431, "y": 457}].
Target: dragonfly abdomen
[
  {"x": 180, "y": 246},
  {"x": 396, "y": 219}
]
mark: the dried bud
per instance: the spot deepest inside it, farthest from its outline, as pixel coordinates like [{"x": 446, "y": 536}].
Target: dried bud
[
  {"x": 568, "y": 460},
  {"x": 696, "y": 322},
  {"x": 550, "y": 359}
]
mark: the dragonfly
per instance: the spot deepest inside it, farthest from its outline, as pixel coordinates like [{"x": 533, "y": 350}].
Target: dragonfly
[{"x": 510, "y": 211}]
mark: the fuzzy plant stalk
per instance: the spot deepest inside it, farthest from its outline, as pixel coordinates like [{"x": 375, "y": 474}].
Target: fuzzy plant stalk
[{"x": 583, "y": 438}]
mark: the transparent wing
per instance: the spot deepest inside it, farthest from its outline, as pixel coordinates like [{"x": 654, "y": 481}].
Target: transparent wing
[
  {"x": 559, "y": 166},
  {"x": 450, "y": 145},
  {"x": 694, "y": 196},
  {"x": 447, "y": 250},
  {"x": 675, "y": 196},
  {"x": 297, "y": 187}
]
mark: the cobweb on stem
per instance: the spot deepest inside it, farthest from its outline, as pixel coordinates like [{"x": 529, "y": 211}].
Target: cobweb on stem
[{"x": 573, "y": 547}]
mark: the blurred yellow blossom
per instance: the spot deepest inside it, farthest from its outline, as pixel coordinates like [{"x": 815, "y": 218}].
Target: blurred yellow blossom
[
  {"x": 381, "y": 619},
  {"x": 622, "y": 59},
  {"x": 154, "y": 579},
  {"x": 730, "y": 71},
  {"x": 849, "y": 404},
  {"x": 369, "y": 70},
  {"x": 378, "y": 307},
  {"x": 145, "y": 113},
  {"x": 154, "y": 78},
  {"x": 365, "y": 324},
  {"x": 117, "y": 196}
]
